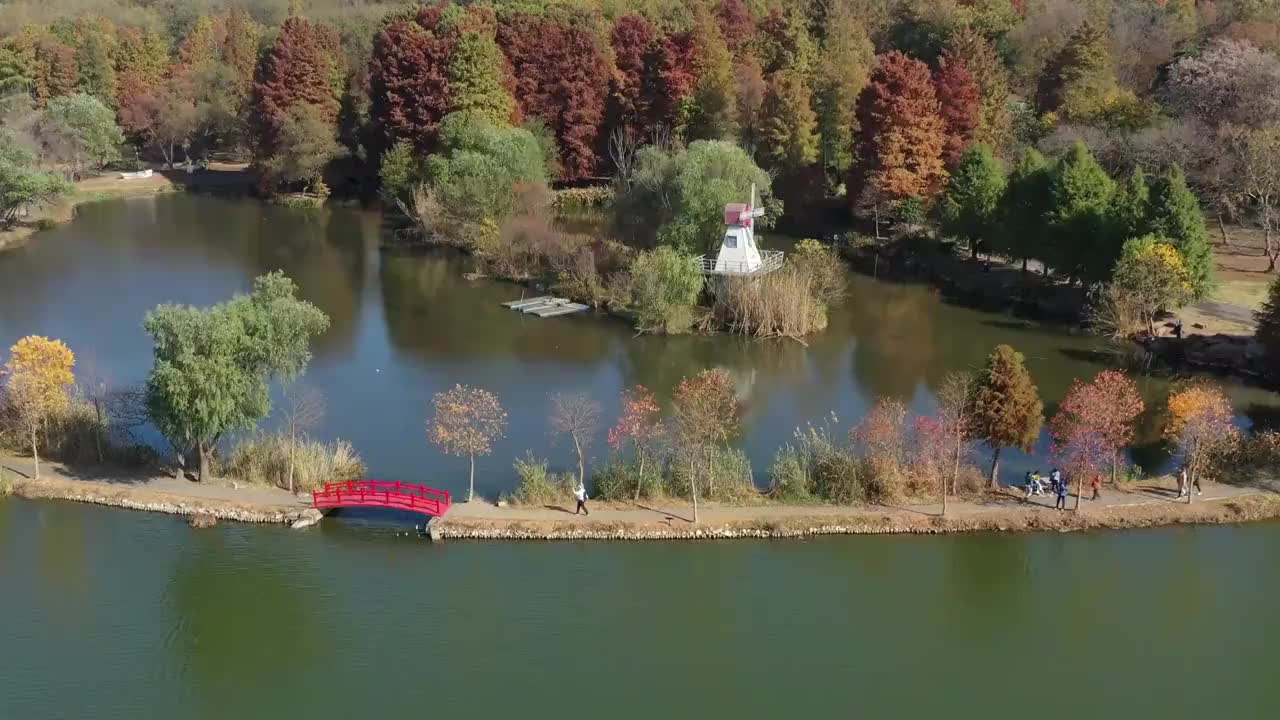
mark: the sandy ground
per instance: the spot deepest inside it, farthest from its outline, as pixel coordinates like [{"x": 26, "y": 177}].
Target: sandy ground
[{"x": 1243, "y": 281}]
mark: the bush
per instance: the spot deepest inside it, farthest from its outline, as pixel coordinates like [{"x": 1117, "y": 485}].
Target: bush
[
  {"x": 780, "y": 304},
  {"x": 662, "y": 288},
  {"x": 76, "y": 434},
  {"x": 789, "y": 478},
  {"x": 263, "y": 459},
  {"x": 539, "y": 486},
  {"x": 722, "y": 474},
  {"x": 582, "y": 198},
  {"x": 618, "y": 480},
  {"x": 822, "y": 266}
]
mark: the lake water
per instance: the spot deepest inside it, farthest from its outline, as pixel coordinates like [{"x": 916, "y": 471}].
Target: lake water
[
  {"x": 405, "y": 326},
  {"x": 115, "y": 615}
]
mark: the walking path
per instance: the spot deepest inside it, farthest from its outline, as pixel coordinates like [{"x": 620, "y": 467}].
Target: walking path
[{"x": 1141, "y": 505}]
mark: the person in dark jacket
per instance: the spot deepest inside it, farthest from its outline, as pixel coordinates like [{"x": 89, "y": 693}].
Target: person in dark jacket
[{"x": 1060, "y": 488}]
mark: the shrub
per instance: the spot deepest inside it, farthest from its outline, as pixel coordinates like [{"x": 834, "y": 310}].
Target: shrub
[
  {"x": 263, "y": 459},
  {"x": 722, "y": 474},
  {"x": 618, "y": 481},
  {"x": 539, "y": 486},
  {"x": 599, "y": 196},
  {"x": 789, "y": 478},
  {"x": 780, "y": 304},
  {"x": 821, "y": 264},
  {"x": 662, "y": 289}
]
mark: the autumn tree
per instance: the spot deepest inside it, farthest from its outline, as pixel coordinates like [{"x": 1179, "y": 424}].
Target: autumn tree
[
  {"x": 670, "y": 76},
  {"x": 1152, "y": 275},
  {"x": 992, "y": 80},
  {"x": 633, "y": 39},
  {"x": 1094, "y": 424},
  {"x": 576, "y": 417},
  {"x": 304, "y": 408},
  {"x": 302, "y": 68},
  {"x": 737, "y": 25},
  {"x": 39, "y": 378},
  {"x": 1176, "y": 215},
  {"x": 305, "y": 144},
  {"x": 465, "y": 422},
  {"x": 956, "y": 424},
  {"x": 901, "y": 133},
  {"x": 1080, "y": 72},
  {"x": 1007, "y": 411},
  {"x": 971, "y": 204},
  {"x": 960, "y": 103},
  {"x": 713, "y": 114},
  {"x": 844, "y": 67},
  {"x": 1255, "y": 167},
  {"x": 1230, "y": 82},
  {"x": 477, "y": 79},
  {"x": 160, "y": 114},
  {"x": 705, "y": 414},
  {"x": 142, "y": 59},
  {"x": 750, "y": 94},
  {"x": 562, "y": 77},
  {"x": 788, "y": 125},
  {"x": 783, "y": 41},
  {"x": 212, "y": 366},
  {"x": 1025, "y": 207},
  {"x": 639, "y": 426},
  {"x": 1200, "y": 423},
  {"x": 409, "y": 78}
]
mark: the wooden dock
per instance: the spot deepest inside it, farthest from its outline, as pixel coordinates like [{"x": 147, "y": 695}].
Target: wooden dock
[{"x": 545, "y": 306}]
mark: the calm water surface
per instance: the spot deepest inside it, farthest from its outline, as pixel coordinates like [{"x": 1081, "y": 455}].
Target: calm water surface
[
  {"x": 407, "y": 326},
  {"x": 114, "y": 615}
]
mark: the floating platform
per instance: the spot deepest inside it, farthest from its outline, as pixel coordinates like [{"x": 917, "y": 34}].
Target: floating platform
[{"x": 546, "y": 306}]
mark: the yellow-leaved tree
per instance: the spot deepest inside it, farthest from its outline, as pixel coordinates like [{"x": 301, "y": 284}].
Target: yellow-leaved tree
[
  {"x": 1200, "y": 424},
  {"x": 38, "y": 383}
]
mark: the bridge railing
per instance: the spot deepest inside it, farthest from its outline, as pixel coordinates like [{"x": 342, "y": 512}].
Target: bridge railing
[{"x": 385, "y": 493}]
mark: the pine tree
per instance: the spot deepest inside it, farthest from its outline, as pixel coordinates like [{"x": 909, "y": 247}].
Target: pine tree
[
  {"x": 788, "y": 125},
  {"x": 1175, "y": 214},
  {"x": 900, "y": 132},
  {"x": 1268, "y": 332},
  {"x": 476, "y": 79},
  {"x": 1007, "y": 410},
  {"x": 971, "y": 204},
  {"x": 299, "y": 69},
  {"x": 995, "y": 124},
  {"x": 843, "y": 70},
  {"x": 961, "y": 110},
  {"x": 1080, "y": 74},
  {"x": 1025, "y": 208},
  {"x": 1082, "y": 246},
  {"x": 715, "y": 107},
  {"x": 1131, "y": 207},
  {"x": 783, "y": 41}
]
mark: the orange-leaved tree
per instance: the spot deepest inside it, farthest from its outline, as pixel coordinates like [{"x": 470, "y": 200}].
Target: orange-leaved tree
[
  {"x": 465, "y": 423},
  {"x": 706, "y": 414},
  {"x": 638, "y": 426},
  {"x": 1201, "y": 423},
  {"x": 39, "y": 380},
  {"x": 1094, "y": 423},
  {"x": 1007, "y": 411}
]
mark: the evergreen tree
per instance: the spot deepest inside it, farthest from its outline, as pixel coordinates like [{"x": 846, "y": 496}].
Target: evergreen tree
[
  {"x": 788, "y": 124},
  {"x": 1081, "y": 68},
  {"x": 995, "y": 123},
  {"x": 1175, "y": 214},
  {"x": 476, "y": 80},
  {"x": 1268, "y": 332},
  {"x": 1131, "y": 207},
  {"x": 843, "y": 69},
  {"x": 1083, "y": 246},
  {"x": 783, "y": 41},
  {"x": 971, "y": 204},
  {"x": 299, "y": 69},
  {"x": 1007, "y": 411},
  {"x": 1025, "y": 208},
  {"x": 715, "y": 107}
]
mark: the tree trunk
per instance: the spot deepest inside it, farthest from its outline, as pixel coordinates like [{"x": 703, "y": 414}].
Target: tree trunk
[
  {"x": 293, "y": 442},
  {"x": 1024, "y": 266},
  {"x": 1079, "y": 490},
  {"x": 97, "y": 429},
  {"x": 204, "y": 462},
  {"x": 693, "y": 490},
  {"x": 577, "y": 447},
  {"x": 995, "y": 470},
  {"x": 640, "y": 475},
  {"x": 1271, "y": 253},
  {"x": 471, "y": 487},
  {"x": 35, "y": 454},
  {"x": 1222, "y": 227}
]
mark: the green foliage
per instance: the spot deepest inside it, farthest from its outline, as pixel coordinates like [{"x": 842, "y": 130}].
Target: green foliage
[
  {"x": 788, "y": 131},
  {"x": 618, "y": 480},
  {"x": 665, "y": 285},
  {"x": 844, "y": 66},
  {"x": 1176, "y": 215},
  {"x": 539, "y": 486},
  {"x": 21, "y": 184},
  {"x": 1083, "y": 246},
  {"x": 1131, "y": 206},
  {"x": 970, "y": 207},
  {"x": 1153, "y": 277},
  {"x": 475, "y": 80},
  {"x": 1268, "y": 332},
  {"x": 212, "y": 365},
  {"x": 1025, "y": 206},
  {"x": 80, "y": 131},
  {"x": 713, "y": 111},
  {"x": 305, "y": 146}
]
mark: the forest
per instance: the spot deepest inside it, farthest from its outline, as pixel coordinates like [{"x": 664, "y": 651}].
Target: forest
[{"x": 1091, "y": 137}]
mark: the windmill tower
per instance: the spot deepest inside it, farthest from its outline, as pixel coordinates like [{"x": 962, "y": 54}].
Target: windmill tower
[{"x": 739, "y": 254}]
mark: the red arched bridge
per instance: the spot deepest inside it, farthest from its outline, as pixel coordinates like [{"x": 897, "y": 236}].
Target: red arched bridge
[{"x": 383, "y": 493}]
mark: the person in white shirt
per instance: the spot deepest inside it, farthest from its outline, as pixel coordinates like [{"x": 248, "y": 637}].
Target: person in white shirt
[{"x": 581, "y": 495}]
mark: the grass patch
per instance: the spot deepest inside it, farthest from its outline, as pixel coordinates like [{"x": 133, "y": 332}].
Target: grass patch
[
  {"x": 1245, "y": 293},
  {"x": 540, "y": 486},
  {"x": 263, "y": 459}
]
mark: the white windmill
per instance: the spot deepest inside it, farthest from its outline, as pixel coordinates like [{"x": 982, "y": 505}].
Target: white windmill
[{"x": 739, "y": 254}]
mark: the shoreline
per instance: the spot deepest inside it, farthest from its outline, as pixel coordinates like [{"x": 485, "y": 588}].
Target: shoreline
[{"x": 627, "y": 522}]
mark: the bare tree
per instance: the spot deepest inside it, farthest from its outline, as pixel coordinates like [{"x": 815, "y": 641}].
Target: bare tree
[
  {"x": 304, "y": 408},
  {"x": 622, "y": 149},
  {"x": 955, "y": 408},
  {"x": 1256, "y": 160},
  {"x": 577, "y": 416}
]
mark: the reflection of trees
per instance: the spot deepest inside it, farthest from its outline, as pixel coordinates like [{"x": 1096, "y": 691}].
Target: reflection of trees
[
  {"x": 241, "y": 618},
  {"x": 433, "y": 312},
  {"x": 894, "y": 326}
]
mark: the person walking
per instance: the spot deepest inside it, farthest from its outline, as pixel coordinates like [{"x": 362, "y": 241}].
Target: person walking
[
  {"x": 581, "y": 495},
  {"x": 1059, "y": 487},
  {"x": 1195, "y": 483},
  {"x": 1096, "y": 485},
  {"x": 1182, "y": 482}
]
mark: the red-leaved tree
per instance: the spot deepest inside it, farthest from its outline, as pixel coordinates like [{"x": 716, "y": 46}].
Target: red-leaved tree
[
  {"x": 562, "y": 77},
  {"x": 737, "y": 26},
  {"x": 1094, "y": 423},
  {"x": 639, "y": 427},
  {"x": 961, "y": 104},
  {"x": 670, "y": 75},
  {"x": 409, "y": 78},
  {"x": 632, "y": 39},
  {"x": 706, "y": 415},
  {"x": 901, "y": 132},
  {"x": 302, "y": 68}
]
